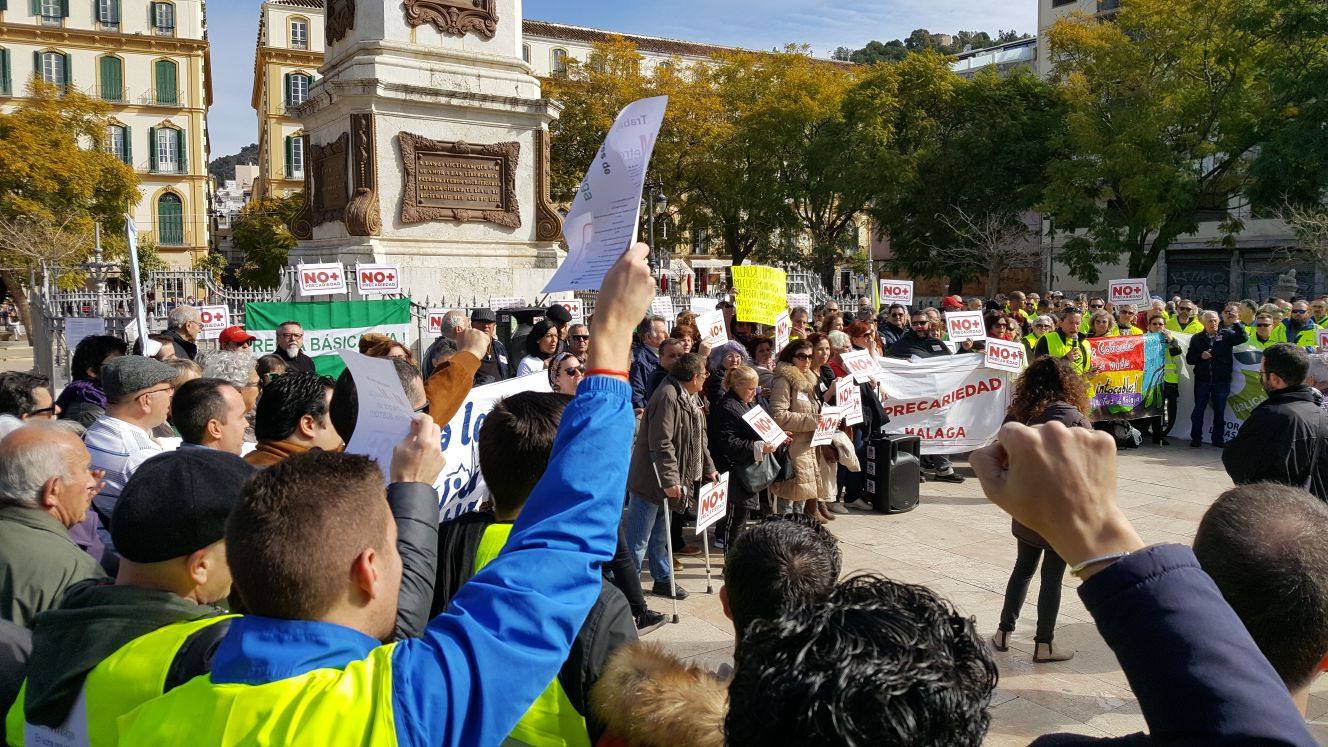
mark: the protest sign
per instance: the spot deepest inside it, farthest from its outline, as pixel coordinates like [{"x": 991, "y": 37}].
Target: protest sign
[
  {"x": 324, "y": 279},
  {"x": 765, "y": 426},
  {"x": 663, "y": 306},
  {"x": 605, "y": 212},
  {"x": 498, "y": 303},
  {"x": 861, "y": 364},
  {"x": 965, "y": 325},
  {"x": 712, "y": 502},
  {"x": 827, "y": 423},
  {"x": 701, "y": 304},
  {"x": 897, "y": 291},
  {"x": 329, "y": 326},
  {"x": 461, "y": 487},
  {"x": 1322, "y": 342},
  {"x": 214, "y": 319},
  {"x": 800, "y": 301},
  {"x": 435, "y": 322},
  {"x": 576, "y": 307},
  {"x": 1132, "y": 291},
  {"x": 378, "y": 278},
  {"x": 1004, "y": 355},
  {"x": 76, "y": 328},
  {"x": 713, "y": 331},
  {"x": 783, "y": 329},
  {"x": 954, "y": 404},
  {"x": 1122, "y": 388},
  {"x": 384, "y": 413},
  {"x": 761, "y": 293},
  {"x": 849, "y": 397}
]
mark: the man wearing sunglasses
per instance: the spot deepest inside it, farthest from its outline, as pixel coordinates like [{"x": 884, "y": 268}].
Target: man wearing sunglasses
[
  {"x": 1040, "y": 325},
  {"x": 24, "y": 396},
  {"x": 578, "y": 341},
  {"x": 921, "y": 340},
  {"x": 893, "y": 324},
  {"x": 1184, "y": 321},
  {"x": 1300, "y": 328},
  {"x": 1264, "y": 331}
]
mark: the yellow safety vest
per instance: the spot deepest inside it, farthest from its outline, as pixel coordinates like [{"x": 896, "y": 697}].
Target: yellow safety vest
[
  {"x": 552, "y": 720},
  {"x": 1058, "y": 347},
  {"x": 1306, "y": 338},
  {"x": 1130, "y": 330},
  {"x": 1261, "y": 344},
  {"x": 128, "y": 678},
  {"x": 1171, "y": 364},
  {"x": 1193, "y": 328}
]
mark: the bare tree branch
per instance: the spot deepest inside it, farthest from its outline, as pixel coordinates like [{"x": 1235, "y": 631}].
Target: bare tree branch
[
  {"x": 991, "y": 240},
  {"x": 29, "y": 243}
]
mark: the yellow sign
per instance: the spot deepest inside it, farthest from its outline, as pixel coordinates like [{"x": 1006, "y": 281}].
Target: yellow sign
[{"x": 762, "y": 293}]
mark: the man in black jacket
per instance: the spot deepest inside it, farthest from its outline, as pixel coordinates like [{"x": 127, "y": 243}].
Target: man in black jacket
[
  {"x": 290, "y": 347},
  {"x": 921, "y": 340},
  {"x": 1285, "y": 438},
  {"x": 1210, "y": 354}
]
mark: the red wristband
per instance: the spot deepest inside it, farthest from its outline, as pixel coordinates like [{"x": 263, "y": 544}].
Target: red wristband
[{"x": 607, "y": 372}]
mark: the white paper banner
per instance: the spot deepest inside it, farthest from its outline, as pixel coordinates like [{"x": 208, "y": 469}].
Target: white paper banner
[
  {"x": 713, "y": 331},
  {"x": 897, "y": 291},
  {"x": 324, "y": 279},
  {"x": 215, "y": 319},
  {"x": 378, "y": 278},
  {"x": 603, "y": 219},
  {"x": 861, "y": 364},
  {"x": 765, "y": 426},
  {"x": 849, "y": 397},
  {"x": 576, "y": 308},
  {"x": 712, "y": 502},
  {"x": 663, "y": 306},
  {"x": 701, "y": 304},
  {"x": 783, "y": 329},
  {"x": 965, "y": 325},
  {"x": 800, "y": 301},
  {"x": 498, "y": 303},
  {"x": 1003, "y": 355},
  {"x": 1132, "y": 291},
  {"x": 435, "y": 322},
  {"x": 954, "y": 403},
  {"x": 76, "y": 328},
  {"x": 384, "y": 412}
]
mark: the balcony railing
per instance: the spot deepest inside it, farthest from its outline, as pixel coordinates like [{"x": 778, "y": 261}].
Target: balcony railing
[{"x": 162, "y": 98}]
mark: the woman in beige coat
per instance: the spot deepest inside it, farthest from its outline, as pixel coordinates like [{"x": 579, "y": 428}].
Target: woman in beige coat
[{"x": 795, "y": 407}]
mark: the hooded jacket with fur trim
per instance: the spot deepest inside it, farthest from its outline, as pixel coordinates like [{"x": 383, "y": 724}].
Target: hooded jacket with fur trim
[{"x": 647, "y": 698}]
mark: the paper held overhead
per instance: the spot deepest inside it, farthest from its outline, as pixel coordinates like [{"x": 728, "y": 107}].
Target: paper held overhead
[{"x": 602, "y": 222}]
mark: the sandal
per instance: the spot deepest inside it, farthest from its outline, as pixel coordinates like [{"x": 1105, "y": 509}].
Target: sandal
[
  {"x": 1001, "y": 640},
  {"x": 1052, "y": 655}
]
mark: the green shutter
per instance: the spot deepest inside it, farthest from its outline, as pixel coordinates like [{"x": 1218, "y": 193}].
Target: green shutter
[
  {"x": 69, "y": 72},
  {"x": 36, "y": 66},
  {"x": 152, "y": 16},
  {"x": 6, "y": 84},
  {"x": 184, "y": 151},
  {"x": 287, "y": 78},
  {"x": 129, "y": 146},
  {"x": 64, "y": 8},
  {"x": 170, "y": 220},
  {"x": 36, "y": 8},
  {"x": 112, "y": 79},
  {"x": 167, "y": 89},
  {"x": 152, "y": 149},
  {"x": 290, "y": 157}
]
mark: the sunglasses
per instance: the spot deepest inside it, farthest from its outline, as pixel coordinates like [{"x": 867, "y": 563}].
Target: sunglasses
[
  {"x": 919, "y": 324},
  {"x": 574, "y": 371},
  {"x": 1157, "y": 324},
  {"x": 580, "y": 338},
  {"x": 1300, "y": 311},
  {"x": 802, "y": 356}
]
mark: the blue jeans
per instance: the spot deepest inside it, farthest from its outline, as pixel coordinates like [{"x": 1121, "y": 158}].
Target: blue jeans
[
  {"x": 646, "y": 538},
  {"x": 1206, "y": 393}
]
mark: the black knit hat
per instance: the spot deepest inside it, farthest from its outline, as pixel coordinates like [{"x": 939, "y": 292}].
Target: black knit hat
[{"x": 177, "y": 503}]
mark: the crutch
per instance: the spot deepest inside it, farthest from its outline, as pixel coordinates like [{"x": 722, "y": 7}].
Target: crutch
[
  {"x": 668, "y": 544},
  {"x": 705, "y": 547}
]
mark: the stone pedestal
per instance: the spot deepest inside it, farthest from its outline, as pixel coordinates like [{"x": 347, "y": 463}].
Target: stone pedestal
[{"x": 427, "y": 145}]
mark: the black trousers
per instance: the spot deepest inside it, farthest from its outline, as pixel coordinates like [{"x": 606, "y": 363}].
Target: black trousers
[
  {"x": 1171, "y": 397},
  {"x": 1049, "y": 596},
  {"x": 625, "y": 576}
]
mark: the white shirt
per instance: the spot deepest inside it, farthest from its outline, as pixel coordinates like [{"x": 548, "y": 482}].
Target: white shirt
[
  {"x": 117, "y": 447},
  {"x": 529, "y": 365}
]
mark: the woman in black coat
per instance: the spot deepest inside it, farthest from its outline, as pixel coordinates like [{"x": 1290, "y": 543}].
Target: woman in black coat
[
  {"x": 734, "y": 444},
  {"x": 1047, "y": 391}
]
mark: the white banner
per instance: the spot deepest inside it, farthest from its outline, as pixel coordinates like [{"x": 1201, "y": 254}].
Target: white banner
[
  {"x": 712, "y": 502},
  {"x": 460, "y": 486},
  {"x": 800, "y": 301},
  {"x": 324, "y": 279},
  {"x": 701, "y": 304},
  {"x": 215, "y": 319},
  {"x": 765, "y": 426},
  {"x": 384, "y": 412},
  {"x": 953, "y": 402},
  {"x": 663, "y": 306},
  {"x": 1131, "y": 291},
  {"x": 713, "y": 331},
  {"x": 435, "y": 322},
  {"x": 897, "y": 291},
  {"x": 576, "y": 307},
  {"x": 827, "y": 423},
  {"x": 783, "y": 329},
  {"x": 327, "y": 341},
  {"x": 861, "y": 364},
  {"x": 506, "y": 302},
  {"x": 1003, "y": 355},
  {"x": 965, "y": 325},
  {"x": 849, "y": 396},
  {"x": 378, "y": 278}
]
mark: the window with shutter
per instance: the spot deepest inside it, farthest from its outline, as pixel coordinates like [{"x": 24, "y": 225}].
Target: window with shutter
[
  {"x": 52, "y": 12},
  {"x": 168, "y": 150},
  {"x": 112, "y": 79},
  {"x": 297, "y": 157},
  {"x": 182, "y": 147},
  {"x": 108, "y": 15},
  {"x": 129, "y": 146},
  {"x": 53, "y": 68},
  {"x": 167, "y": 92},
  {"x": 170, "y": 220},
  {"x": 163, "y": 19},
  {"x": 6, "y": 82},
  {"x": 115, "y": 141},
  {"x": 299, "y": 89}
]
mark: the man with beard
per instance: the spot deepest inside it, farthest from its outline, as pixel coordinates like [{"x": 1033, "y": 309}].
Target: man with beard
[
  {"x": 1285, "y": 438},
  {"x": 290, "y": 341}
]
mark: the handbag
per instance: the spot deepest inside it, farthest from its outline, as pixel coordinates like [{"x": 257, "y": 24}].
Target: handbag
[
  {"x": 757, "y": 476},
  {"x": 787, "y": 469}
]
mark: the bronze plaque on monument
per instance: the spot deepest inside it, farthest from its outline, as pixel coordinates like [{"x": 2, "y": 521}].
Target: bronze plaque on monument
[
  {"x": 331, "y": 181},
  {"x": 459, "y": 181}
]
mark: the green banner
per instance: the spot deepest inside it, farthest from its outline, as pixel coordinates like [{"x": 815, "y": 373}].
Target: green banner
[{"x": 329, "y": 326}]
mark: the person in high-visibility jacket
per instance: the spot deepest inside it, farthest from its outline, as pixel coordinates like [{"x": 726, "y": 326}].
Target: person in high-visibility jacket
[
  {"x": 1086, "y": 323},
  {"x": 1263, "y": 336},
  {"x": 1184, "y": 320},
  {"x": 1125, "y": 321},
  {"x": 1319, "y": 311},
  {"x": 311, "y": 547},
  {"x": 1174, "y": 358},
  {"x": 1040, "y": 325},
  {"x": 1067, "y": 342},
  {"x": 1300, "y": 328}
]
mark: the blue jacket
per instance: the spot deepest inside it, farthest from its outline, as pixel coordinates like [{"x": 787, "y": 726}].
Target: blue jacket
[
  {"x": 1198, "y": 675},
  {"x": 1215, "y": 370},
  {"x": 644, "y": 363},
  {"x": 507, "y": 632}
]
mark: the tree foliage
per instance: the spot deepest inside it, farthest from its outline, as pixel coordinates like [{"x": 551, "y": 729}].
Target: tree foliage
[
  {"x": 262, "y": 232},
  {"x": 923, "y": 40}
]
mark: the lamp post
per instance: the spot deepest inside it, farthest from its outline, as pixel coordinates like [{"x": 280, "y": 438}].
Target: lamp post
[{"x": 655, "y": 196}]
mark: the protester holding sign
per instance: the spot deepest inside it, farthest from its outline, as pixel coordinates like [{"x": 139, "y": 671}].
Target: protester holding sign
[
  {"x": 1067, "y": 342},
  {"x": 735, "y": 448},
  {"x": 921, "y": 342},
  {"x": 795, "y": 407}
]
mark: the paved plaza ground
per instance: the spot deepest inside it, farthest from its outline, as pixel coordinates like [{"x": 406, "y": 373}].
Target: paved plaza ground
[{"x": 960, "y": 545}]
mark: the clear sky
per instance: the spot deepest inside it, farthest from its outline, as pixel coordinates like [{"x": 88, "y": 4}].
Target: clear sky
[{"x": 754, "y": 24}]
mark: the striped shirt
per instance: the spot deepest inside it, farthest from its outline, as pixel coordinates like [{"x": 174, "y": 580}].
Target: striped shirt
[{"x": 118, "y": 448}]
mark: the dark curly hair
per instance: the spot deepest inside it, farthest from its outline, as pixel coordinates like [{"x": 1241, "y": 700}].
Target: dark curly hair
[
  {"x": 92, "y": 352},
  {"x": 879, "y": 662},
  {"x": 288, "y": 399},
  {"x": 1046, "y": 381}
]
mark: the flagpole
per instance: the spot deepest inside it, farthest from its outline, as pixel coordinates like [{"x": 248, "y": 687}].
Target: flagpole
[{"x": 140, "y": 315}]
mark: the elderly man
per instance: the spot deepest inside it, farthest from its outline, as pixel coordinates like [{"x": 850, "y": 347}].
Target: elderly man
[
  {"x": 290, "y": 348},
  {"x": 454, "y": 323},
  {"x": 183, "y": 326},
  {"x": 46, "y": 485},
  {"x": 578, "y": 341},
  {"x": 138, "y": 399},
  {"x": 495, "y": 365},
  {"x": 1210, "y": 353},
  {"x": 235, "y": 338}
]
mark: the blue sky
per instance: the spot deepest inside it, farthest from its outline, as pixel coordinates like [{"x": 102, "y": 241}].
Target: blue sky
[{"x": 755, "y": 24}]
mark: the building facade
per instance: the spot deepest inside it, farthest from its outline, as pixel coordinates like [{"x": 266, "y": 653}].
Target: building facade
[
  {"x": 150, "y": 61},
  {"x": 288, "y": 55}
]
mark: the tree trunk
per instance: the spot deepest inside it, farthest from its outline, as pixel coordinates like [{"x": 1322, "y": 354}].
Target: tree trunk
[
  {"x": 993, "y": 280},
  {"x": 20, "y": 293}
]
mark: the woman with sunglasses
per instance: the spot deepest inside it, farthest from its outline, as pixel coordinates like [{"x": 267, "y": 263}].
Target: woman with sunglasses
[
  {"x": 796, "y": 408},
  {"x": 566, "y": 373},
  {"x": 1040, "y": 326},
  {"x": 1160, "y": 426},
  {"x": 1002, "y": 327}
]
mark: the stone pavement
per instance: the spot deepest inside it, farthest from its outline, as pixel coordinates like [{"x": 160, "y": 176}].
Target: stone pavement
[{"x": 960, "y": 545}]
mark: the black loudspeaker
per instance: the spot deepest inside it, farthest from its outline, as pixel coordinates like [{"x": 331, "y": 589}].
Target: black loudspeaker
[{"x": 892, "y": 473}]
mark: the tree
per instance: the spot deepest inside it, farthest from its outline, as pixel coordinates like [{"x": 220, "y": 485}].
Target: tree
[
  {"x": 1169, "y": 103},
  {"x": 213, "y": 262},
  {"x": 995, "y": 242},
  {"x": 262, "y": 232},
  {"x": 1310, "y": 225},
  {"x": 58, "y": 186}
]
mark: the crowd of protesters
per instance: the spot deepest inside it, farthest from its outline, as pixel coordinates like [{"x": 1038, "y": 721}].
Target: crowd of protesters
[{"x": 189, "y": 556}]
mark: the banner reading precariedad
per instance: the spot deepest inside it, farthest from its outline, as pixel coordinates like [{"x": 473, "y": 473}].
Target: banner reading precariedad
[
  {"x": 762, "y": 293},
  {"x": 954, "y": 403},
  {"x": 329, "y": 326},
  {"x": 1128, "y": 381}
]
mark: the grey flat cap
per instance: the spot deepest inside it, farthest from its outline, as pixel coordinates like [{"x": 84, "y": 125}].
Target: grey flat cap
[
  {"x": 133, "y": 373},
  {"x": 483, "y": 315}
]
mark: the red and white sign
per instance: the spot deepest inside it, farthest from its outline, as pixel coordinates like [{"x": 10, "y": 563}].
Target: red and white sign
[
  {"x": 800, "y": 301},
  {"x": 897, "y": 291},
  {"x": 861, "y": 364},
  {"x": 215, "y": 319},
  {"x": 378, "y": 278},
  {"x": 783, "y": 329},
  {"x": 436, "y": 321},
  {"x": 713, "y": 331},
  {"x": 1130, "y": 291},
  {"x": 765, "y": 426},
  {"x": 849, "y": 397},
  {"x": 1004, "y": 355},
  {"x": 965, "y": 325},
  {"x": 324, "y": 279},
  {"x": 1323, "y": 340},
  {"x": 712, "y": 503},
  {"x": 576, "y": 308},
  {"x": 663, "y": 306},
  {"x": 827, "y": 424},
  {"x": 498, "y": 303}
]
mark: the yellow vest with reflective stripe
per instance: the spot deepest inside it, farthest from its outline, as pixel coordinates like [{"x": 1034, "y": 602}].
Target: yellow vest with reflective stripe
[
  {"x": 128, "y": 678},
  {"x": 1261, "y": 344},
  {"x": 1058, "y": 347},
  {"x": 351, "y": 705},
  {"x": 552, "y": 720},
  {"x": 1193, "y": 328}
]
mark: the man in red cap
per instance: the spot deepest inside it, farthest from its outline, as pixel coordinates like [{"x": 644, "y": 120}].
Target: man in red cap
[
  {"x": 235, "y": 338},
  {"x": 952, "y": 303}
]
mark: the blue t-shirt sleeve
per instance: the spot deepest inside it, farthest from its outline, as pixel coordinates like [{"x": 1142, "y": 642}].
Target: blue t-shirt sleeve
[{"x": 507, "y": 632}]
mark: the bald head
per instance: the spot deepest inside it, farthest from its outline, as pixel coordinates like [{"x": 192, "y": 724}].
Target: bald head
[{"x": 45, "y": 466}]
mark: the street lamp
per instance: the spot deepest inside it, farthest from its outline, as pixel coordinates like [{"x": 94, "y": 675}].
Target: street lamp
[{"x": 655, "y": 196}]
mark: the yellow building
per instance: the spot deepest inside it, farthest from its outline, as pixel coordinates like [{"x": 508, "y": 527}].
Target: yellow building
[
  {"x": 289, "y": 53},
  {"x": 150, "y": 61}
]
